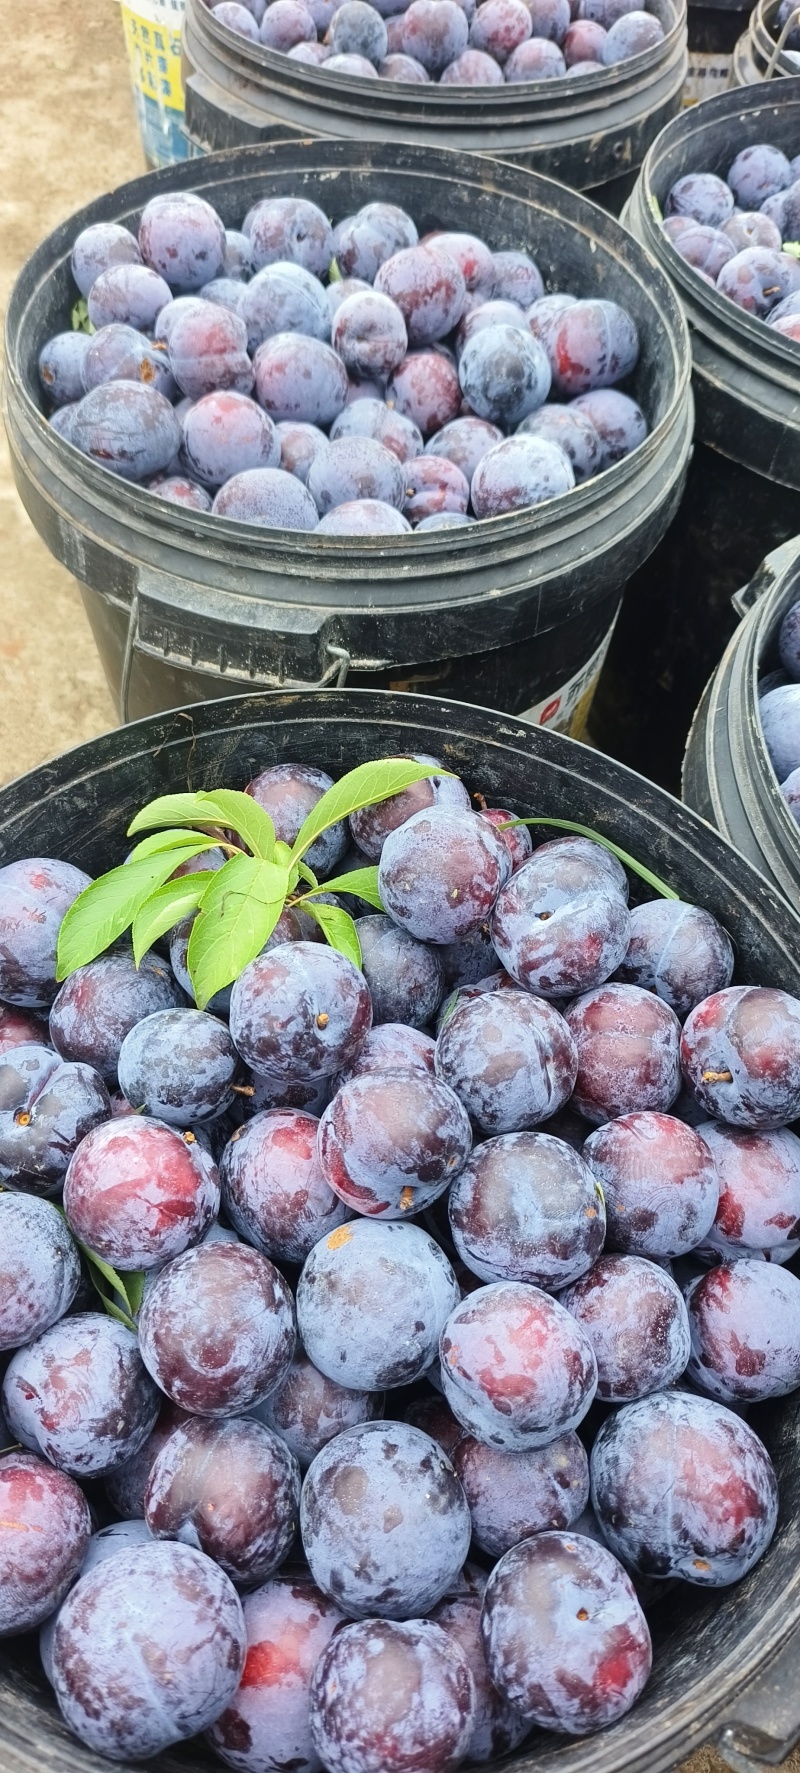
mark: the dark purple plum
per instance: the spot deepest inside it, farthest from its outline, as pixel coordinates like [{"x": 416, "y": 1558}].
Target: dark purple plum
[
  {"x": 182, "y": 238},
  {"x": 238, "y": 260},
  {"x": 302, "y": 1009},
  {"x": 758, "y": 172},
  {"x": 384, "y": 1521},
  {"x": 268, "y": 497},
  {"x": 372, "y": 825},
  {"x": 593, "y": 344},
  {"x": 373, "y": 418},
  {"x": 273, "y": 1188},
  {"x": 425, "y": 386},
  {"x": 45, "y": 1527},
  {"x": 744, "y": 1319},
  {"x": 130, "y": 294},
  {"x": 503, "y": 370},
  {"x": 357, "y": 1723},
  {"x": 740, "y": 1054},
  {"x": 499, "y": 26},
  {"x": 250, "y": 1307},
  {"x": 562, "y": 1678},
  {"x": 368, "y": 329},
  {"x": 512, "y": 1495},
  {"x": 392, "y": 1046},
  {"x": 126, "y": 1485},
  {"x": 100, "y": 1003},
  {"x": 358, "y": 29},
  {"x": 526, "y": 1207},
  {"x": 97, "y": 248},
  {"x": 138, "y": 1192},
  {"x": 128, "y": 428},
  {"x": 434, "y": 486},
  {"x": 390, "y": 1143},
  {"x": 583, "y": 44},
  {"x": 632, "y": 34},
  {"x": 464, "y": 442},
  {"x": 363, "y": 242},
  {"x": 497, "y": 1727},
  {"x": 405, "y": 68},
  {"x": 759, "y": 1193},
  {"x": 405, "y": 978},
  {"x": 148, "y": 1650},
  {"x": 371, "y": 1303},
  {"x": 517, "y": 1370},
  {"x": 430, "y": 1413},
  {"x": 284, "y": 298},
  {"x": 660, "y": 1184},
  {"x": 46, "y": 1109},
  {"x": 678, "y": 951},
  {"x": 299, "y": 444},
  {"x": 560, "y": 925},
  {"x": 281, "y": 228},
  {"x": 573, "y": 431},
  {"x": 519, "y": 472},
  {"x": 440, "y": 873},
  {"x": 208, "y": 350},
  {"x": 62, "y": 419},
  {"x": 473, "y": 258},
  {"x": 509, "y": 1057},
  {"x": 19, "y": 1028},
  {"x": 80, "y": 1395},
  {"x": 424, "y": 281},
  {"x": 628, "y": 1052},
  {"x": 225, "y": 434},
  {"x": 267, "y": 1724},
  {"x": 285, "y": 24},
  {"x": 516, "y": 277},
  {"x": 40, "y": 1270},
  {"x": 232, "y": 1489},
  {"x": 355, "y": 468},
  {"x": 538, "y": 59},
  {"x": 745, "y": 230},
  {"x": 301, "y": 379},
  {"x": 472, "y": 68},
  {"x": 756, "y": 280},
  {"x": 62, "y": 362},
  {"x": 363, "y": 517},
  {"x": 237, "y": 18},
  {"x": 179, "y": 1065},
  {"x": 703, "y": 196},
  {"x": 708, "y": 249},
  {"x": 289, "y": 792},
  {"x": 779, "y": 711},
  {"x": 178, "y": 490},
  {"x": 435, "y": 32},
  {"x": 682, "y": 1487},
  {"x": 619, "y": 423},
  {"x": 308, "y": 1409},
  {"x": 489, "y": 313},
  {"x": 635, "y": 1318}
]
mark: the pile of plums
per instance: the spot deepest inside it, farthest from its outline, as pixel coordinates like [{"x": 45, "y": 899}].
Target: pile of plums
[
  {"x": 452, "y": 42},
  {"x": 779, "y": 707},
  {"x": 733, "y": 231},
  {"x": 388, "y": 1235},
  {"x": 347, "y": 380}
]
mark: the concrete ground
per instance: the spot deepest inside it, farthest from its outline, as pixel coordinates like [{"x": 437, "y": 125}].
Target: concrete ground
[{"x": 68, "y": 133}]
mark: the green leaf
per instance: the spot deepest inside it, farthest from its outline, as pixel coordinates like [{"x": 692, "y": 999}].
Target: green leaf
[
  {"x": 106, "y": 908},
  {"x": 792, "y": 247},
  {"x": 334, "y": 274},
  {"x": 305, "y": 873},
  {"x": 249, "y": 820},
  {"x": 606, "y": 844},
  {"x": 239, "y": 812},
  {"x": 79, "y": 316},
  {"x": 135, "y": 1285},
  {"x": 173, "y": 839},
  {"x": 238, "y": 914},
  {"x": 655, "y": 207},
  {"x": 363, "y": 883},
  {"x": 100, "y": 1271},
  {"x": 366, "y": 786},
  {"x": 338, "y": 928},
  {"x": 166, "y": 907},
  {"x": 112, "y": 1309}
]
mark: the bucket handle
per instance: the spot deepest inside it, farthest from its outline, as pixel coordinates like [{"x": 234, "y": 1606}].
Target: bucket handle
[
  {"x": 772, "y": 567},
  {"x": 793, "y": 19},
  {"x": 764, "y": 1723},
  {"x": 333, "y": 677}
]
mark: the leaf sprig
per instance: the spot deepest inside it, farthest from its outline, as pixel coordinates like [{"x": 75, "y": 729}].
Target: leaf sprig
[{"x": 237, "y": 905}]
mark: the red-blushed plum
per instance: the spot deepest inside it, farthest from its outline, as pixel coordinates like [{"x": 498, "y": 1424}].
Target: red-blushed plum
[
  {"x": 430, "y": 1413},
  {"x": 499, "y": 26},
  {"x": 389, "y": 1144},
  {"x": 425, "y": 387},
  {"x": 101, "y": 1002},
  {"x": 682, "y": 1487},
  {"x": 519, "y": 472},
  {"x": 405, "y": 977},
  {"x": 573, "y": 431},
  {"x": 266, "y": 496},
  {"x": 678, "y": 951},
  {"x": 139, "y": 1192},
  {"x": 371, "y": 1302},
  {"x": 433, "y": 485},
  {"x": 384, "y": 1521},
  {"x": 473, "y": 258},
  {"x": 744, "y": 1319},
  {"x": 636, "y": 1321},
  {"x": 178, "y": 490},
  {"x": 289, "y": 228},
  {"x": 373, "y": 418},
  {"x": 517, "y": 1370},
  {"x": 425, "y": 282},
  {"x": 583, "y": 44},
  {"x": 702, "y": 196},
  {"x": 40, "y": 1270},
  {"x": 659, "y": 1181},
  {"x": 356, "y": 1723},
  {"x": 126, "y": 1485},
  {"x": 179, "y": 1065},
  {"x": 267, "y": 1725},
  {"x": 231, "y": 1489},
  {"x": 497, "y": 1727},
  {"x": 300, "y": 379},
  {"x": 299, "y": 443},
  {"x": 128, "y": 294},
  {"x": 740, "y": 1054},
  {"x": 517, "y": 838},
  {"x": 632, "y": 34},
  {"x": 273, "y": 1188},
  {"x": 440, "y": 873},
  {"x": 594, "y": 344},
  {"x": 226, "y": 433},
  {"x": 516, "y": 277},
  {"x": 47, "y": 1108},
  {"x": 464, "y": 442},
  {"x": 391, "y": 1046},
  {"x": 237, "y": 18},
  {"x": 19, "y": 1028},
  {"x": 503, "y": 371},
  {"x": 182, "y": 238},
  {"x": 208, "y": 350},
  {"x": 45, "y": 1526},
  {"x": 149, "y": 1648},
  {"x": 435, "y": 32},
  {"x": 308, "y": 1409},
  {"x": 538, "y": 59},
  {"x": 363, "y": 242},
  {"x": 618, "y": 421},
  {"x": 35, "y": 895},
  {"x": 509, "y": 1057},
  {"x": 371, "y": 825},
  {"x": 289, "y": 792},
  {"x": 81, "y": 1396},
  {"x": 368, "y": 329},
  {"x": 62, "y": 363},
  {"x": 97, "y": 248},
  {"x": 355, "y": 468},
  {"x": 217, "y": 1329},
  {"x": 628, "y": 1052},
  {"x": 512, "y": 1495},
  {"x": 472, "y": 68},
  {"x": 403, "y": 67},
  {"x": 560, "y": 928},
  {"x": 284, "y": 298},
  {"x": 527, "y": 1208},
  {"x": 302, "y": 1010},
  {"x": 363, "y": 517},
  {"x": 565, "y": 1638},
  {"x": 759, "y": 1193}
]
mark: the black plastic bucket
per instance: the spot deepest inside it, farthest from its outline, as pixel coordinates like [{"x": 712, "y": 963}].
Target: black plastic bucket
[
  {"x": 743, "y": 489},
  {"x": 726, "y": 1663},
  {"x": 591, "y": 133},
  {"x": 714, "y": 31},
  {"x": 757, "y": 56},
  {"x": 727, "y": 774},
  {"x": 515, "y": 610}
]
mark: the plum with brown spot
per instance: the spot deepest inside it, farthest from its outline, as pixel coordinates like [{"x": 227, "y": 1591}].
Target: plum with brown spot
[
  {"x": 740, "y": 1054},
  {"x": 371, "y": 1302},
  {"x": 389, "y": 1143}
]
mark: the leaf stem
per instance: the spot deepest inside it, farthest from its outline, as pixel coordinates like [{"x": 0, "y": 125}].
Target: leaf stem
[{"x": 605, "y": 843}]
